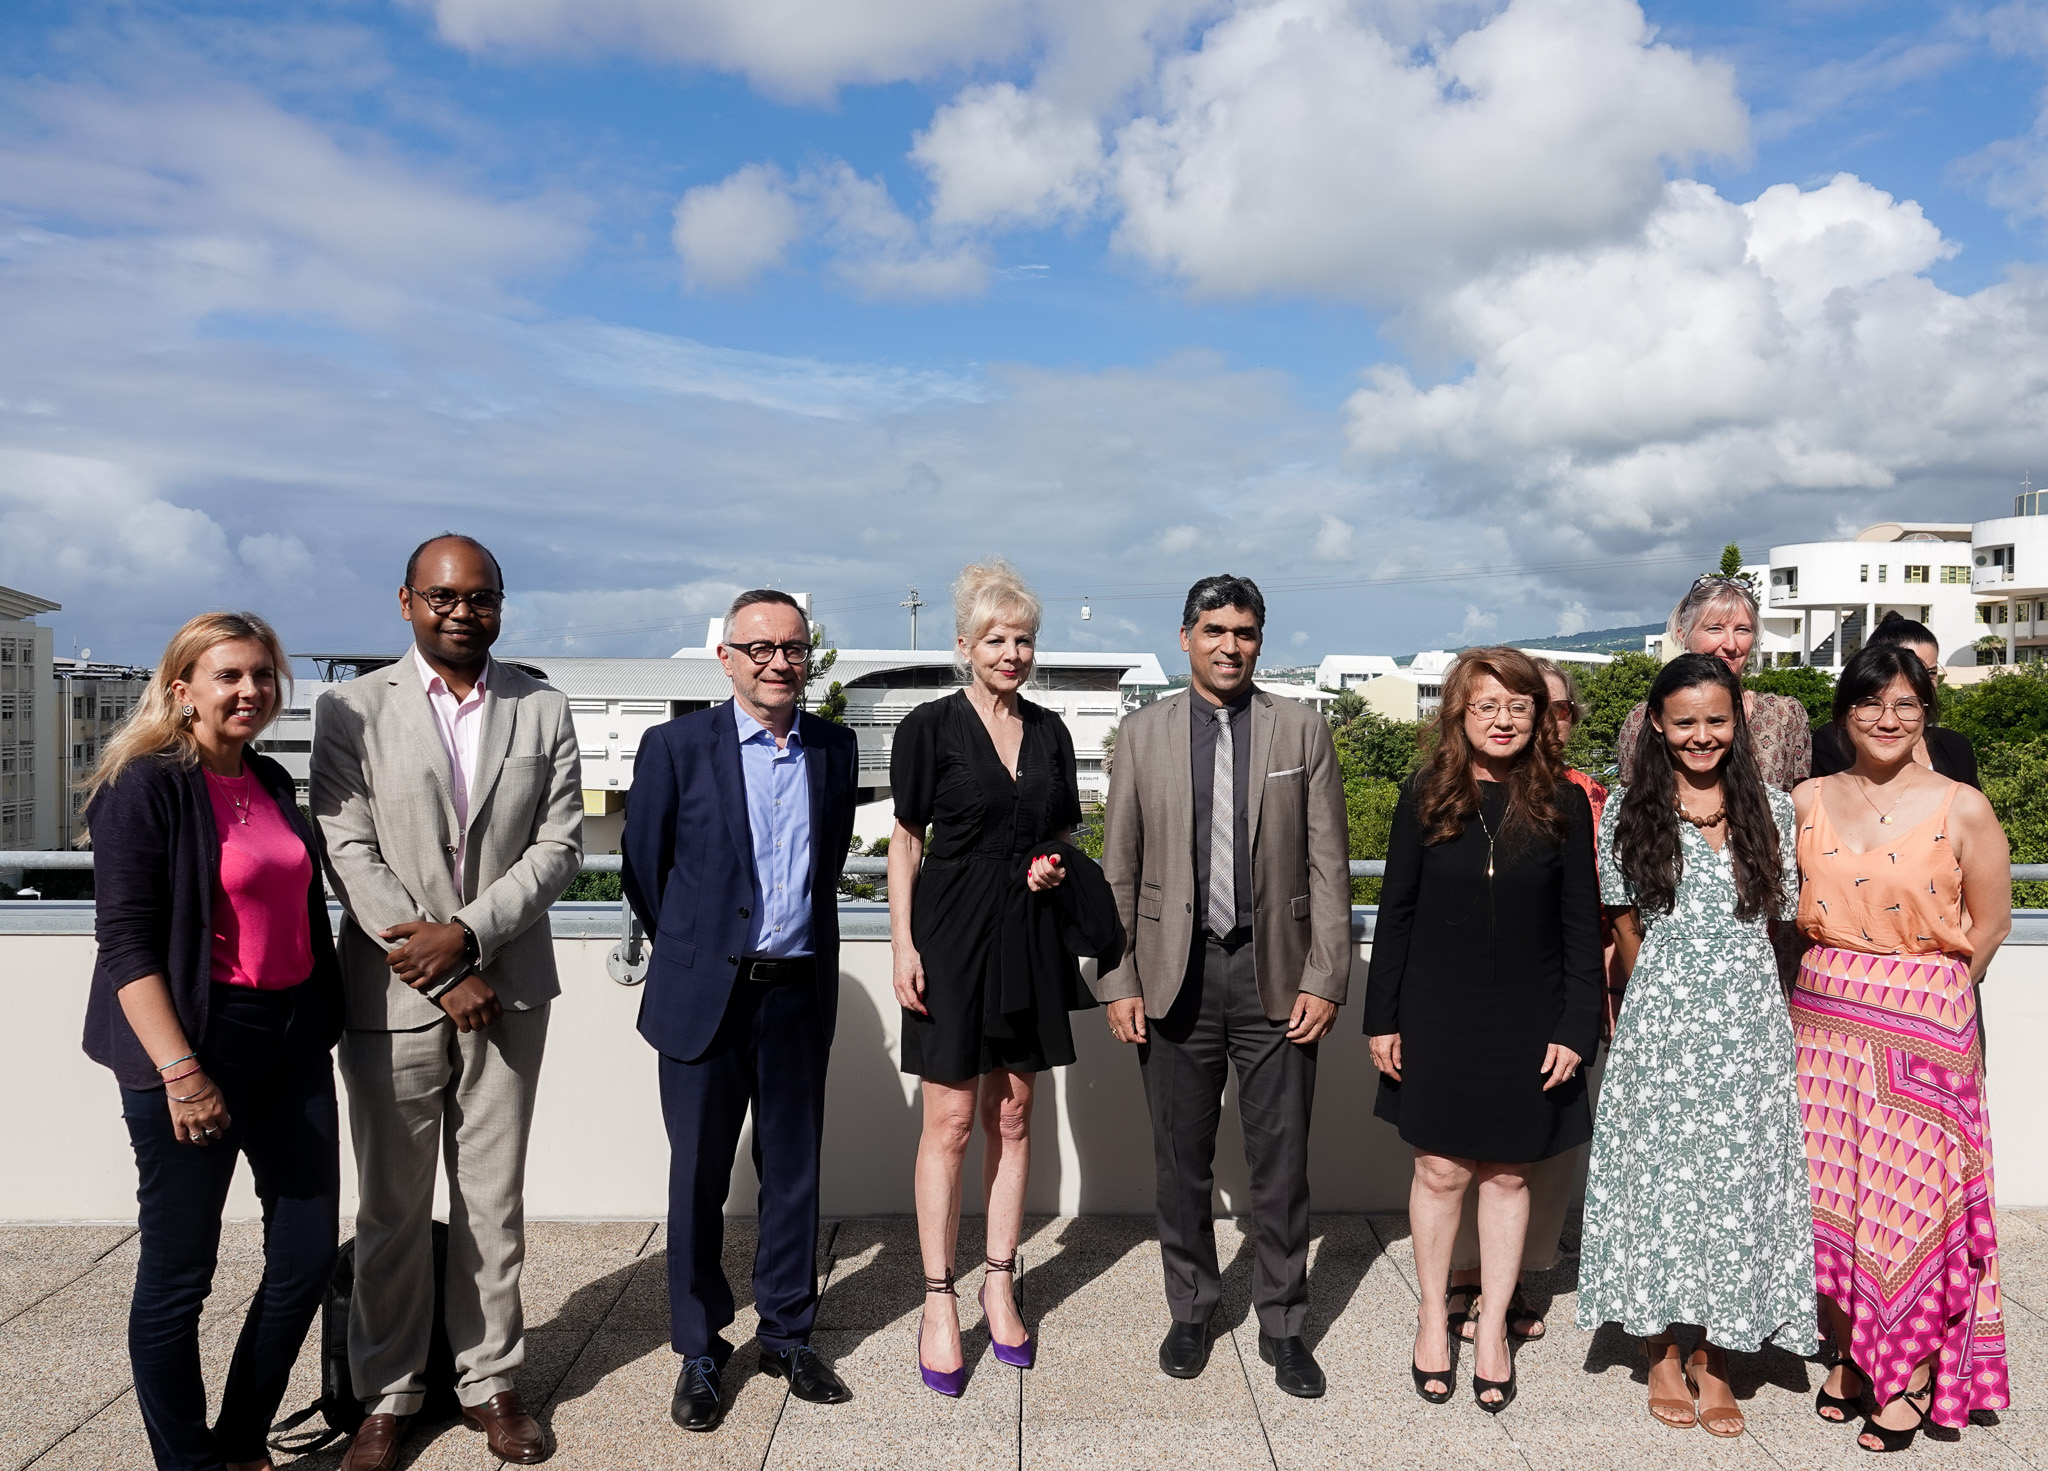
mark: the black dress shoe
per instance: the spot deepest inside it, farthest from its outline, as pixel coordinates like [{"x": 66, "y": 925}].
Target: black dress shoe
[
  {"x": 1184, "y": 1352},
  {"x": 1294, "y": 1368},
  {"x": 698, "y": 1403},
  {"x": 809, "y": 1376}
]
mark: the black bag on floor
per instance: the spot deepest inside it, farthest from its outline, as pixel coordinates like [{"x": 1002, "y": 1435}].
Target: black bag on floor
[{"x": 338, "y": 1405}]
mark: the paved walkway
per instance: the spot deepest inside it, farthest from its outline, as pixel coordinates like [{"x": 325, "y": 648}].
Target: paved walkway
[{"x": 599, "y": 1370}]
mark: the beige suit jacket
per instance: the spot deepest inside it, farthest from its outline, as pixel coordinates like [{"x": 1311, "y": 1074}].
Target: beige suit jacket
[
  {"x": 1301, "y": 876},
  {"x": 384, "y": 802}
]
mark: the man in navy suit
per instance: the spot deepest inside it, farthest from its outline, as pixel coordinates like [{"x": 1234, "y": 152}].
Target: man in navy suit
[{"x": 736, "y": 833}]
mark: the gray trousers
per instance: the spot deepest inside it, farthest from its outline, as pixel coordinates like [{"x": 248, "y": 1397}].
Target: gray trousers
[
  {"x": 1218, "y": 1022},
  {"x": 468, "y": 1096}
]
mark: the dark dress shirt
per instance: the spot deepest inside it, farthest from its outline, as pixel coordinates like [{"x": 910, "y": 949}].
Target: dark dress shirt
[
  {"x": 1202, "y": 755},
  {"x": 1950, "y": 751}
]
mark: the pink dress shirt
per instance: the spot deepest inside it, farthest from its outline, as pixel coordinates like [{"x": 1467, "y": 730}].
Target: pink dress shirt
[
  {"x": 260, "y": 935},
  {"x": 461, "y": 724}
]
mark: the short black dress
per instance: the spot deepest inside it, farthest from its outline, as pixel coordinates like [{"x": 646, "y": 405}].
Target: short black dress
[
  {"x": 944, "y": 771},
  {"x": 1480, "y": 976}
]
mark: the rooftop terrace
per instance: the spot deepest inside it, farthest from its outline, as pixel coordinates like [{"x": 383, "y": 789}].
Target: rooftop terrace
[{"x": 599, "y": 1369}]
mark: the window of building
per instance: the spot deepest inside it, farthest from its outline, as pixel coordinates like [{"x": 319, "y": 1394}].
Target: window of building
[
  {"x": 1863, "y": 573},
  {"x": 1917, "y": 574},
  {"x": 1952, "y": 575},
  {"x": 1883, "y": 571},
  {"x": 1983, "y": 612}
]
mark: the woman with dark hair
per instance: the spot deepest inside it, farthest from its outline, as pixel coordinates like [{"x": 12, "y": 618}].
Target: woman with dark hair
[
  {"x": 215, "y": 1000},
  {"x": 1905, "y": 894},
  {"x": 1484, "y": 995},
  {"x": 1718, "y": 616},
  {"x": 1939, "y": 749},
  {"x": 1696, "y": 1201}
]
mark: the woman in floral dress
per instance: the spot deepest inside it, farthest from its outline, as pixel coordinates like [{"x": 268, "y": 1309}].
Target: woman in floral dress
[{"x": 1697, "y": 1200}]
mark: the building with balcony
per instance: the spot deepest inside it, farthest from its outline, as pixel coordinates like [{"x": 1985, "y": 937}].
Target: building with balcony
[
  {"x": 90, "y": 701},
  {"x": 28, "y": 769},
  {"x": 1839, "y": 590},
  {"x": 2009, "y": 577}
]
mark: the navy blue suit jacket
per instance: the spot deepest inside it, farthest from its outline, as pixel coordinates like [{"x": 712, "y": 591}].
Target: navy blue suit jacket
[{"x": 689, "y": 867}]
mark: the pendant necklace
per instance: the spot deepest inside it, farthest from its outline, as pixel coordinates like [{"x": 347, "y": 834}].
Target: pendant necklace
[
  {"x": 1884, "y": 815},
  {"x": 1488, "y": 829}
]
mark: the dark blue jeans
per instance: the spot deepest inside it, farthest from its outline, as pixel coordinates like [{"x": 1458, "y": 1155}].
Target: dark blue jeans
[{"x": 265, "y": 1051}]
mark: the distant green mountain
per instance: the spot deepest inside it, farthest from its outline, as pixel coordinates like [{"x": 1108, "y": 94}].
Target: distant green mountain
[{"x": 1594, "y": 640}]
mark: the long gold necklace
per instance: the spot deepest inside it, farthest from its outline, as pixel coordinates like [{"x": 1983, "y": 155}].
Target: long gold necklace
[
  {"x": 1884, "y": 815},
  {"x": 1486, "y": 827}
]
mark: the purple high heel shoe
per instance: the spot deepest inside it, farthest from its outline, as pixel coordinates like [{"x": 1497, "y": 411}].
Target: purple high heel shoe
[
  {"x": 950, "y": 1382},
  {"x": 1023, "y": 1355}
]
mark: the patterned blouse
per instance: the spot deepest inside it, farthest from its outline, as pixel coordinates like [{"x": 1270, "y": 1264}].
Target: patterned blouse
[{"x": 1778, "y": 726}]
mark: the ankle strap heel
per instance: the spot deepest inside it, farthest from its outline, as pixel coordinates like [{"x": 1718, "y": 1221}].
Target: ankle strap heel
[
  {"x": 1007, "y": 1264},
  {"x": 941, "y": 1284}
]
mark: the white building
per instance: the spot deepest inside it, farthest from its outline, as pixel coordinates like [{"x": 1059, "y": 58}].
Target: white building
[
  {"x": 1840, "y": 590},
  {"x": 1415, "y": 690},
  {"x": 2009, "y": 571},
  {"x": 90, "y": 702},
  {"x": 28, "y": 725}
]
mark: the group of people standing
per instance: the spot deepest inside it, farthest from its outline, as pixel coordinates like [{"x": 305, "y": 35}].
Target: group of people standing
[{"x": 1749, "y": 1159}]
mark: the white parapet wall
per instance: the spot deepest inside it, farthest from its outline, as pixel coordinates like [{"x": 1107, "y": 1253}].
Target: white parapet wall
[{"x": 599, "y": 1151}]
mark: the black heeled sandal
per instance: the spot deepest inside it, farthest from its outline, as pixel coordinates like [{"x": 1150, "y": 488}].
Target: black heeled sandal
[
  {"x": 1466, "y": 1316},
  {"x": 1898, "y": 1440},
  {"x": 1422, "y": 1378},
  {"x": 1845, "y": 1407},
  {"x": 1505, "y": 1386}
]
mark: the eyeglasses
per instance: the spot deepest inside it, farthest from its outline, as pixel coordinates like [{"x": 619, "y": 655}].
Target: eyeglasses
[
  {"x": 1708, "y": 579},
  {"x": 1519, "y": 711},
  {"x": 441, "y": 600},
  {"x": 764, "y": 652},
  {"x": 1867, "y": 712}
]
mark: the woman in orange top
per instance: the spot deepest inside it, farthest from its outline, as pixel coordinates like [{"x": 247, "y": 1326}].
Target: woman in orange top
[{"x": 1906, "y": 892}]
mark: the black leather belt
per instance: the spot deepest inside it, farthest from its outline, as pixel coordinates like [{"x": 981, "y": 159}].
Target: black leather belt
[{"x": 765, "y": 972}]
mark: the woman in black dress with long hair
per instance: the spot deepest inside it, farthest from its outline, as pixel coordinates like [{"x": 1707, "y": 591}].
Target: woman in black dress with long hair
[
  {"x": 1484, "y": 995},
  {"x": 983, "y": 1011}
]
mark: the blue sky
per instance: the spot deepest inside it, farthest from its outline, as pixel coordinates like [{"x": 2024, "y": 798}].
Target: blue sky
[{"x": 1445, "y": 320}]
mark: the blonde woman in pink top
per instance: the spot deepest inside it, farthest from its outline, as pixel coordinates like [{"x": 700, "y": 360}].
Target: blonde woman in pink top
[{"x": 215, "y": 1000}]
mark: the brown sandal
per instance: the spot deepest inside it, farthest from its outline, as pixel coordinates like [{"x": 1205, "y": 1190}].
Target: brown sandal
[
  {"x": 1667, "y": 1411},
  {"x": 1709, "y": 1360}
]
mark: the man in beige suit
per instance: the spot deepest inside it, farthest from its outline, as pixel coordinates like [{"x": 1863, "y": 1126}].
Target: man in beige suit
[
  {"x": 448, "y": 793},
  {"x": 1226, "y": 847}
]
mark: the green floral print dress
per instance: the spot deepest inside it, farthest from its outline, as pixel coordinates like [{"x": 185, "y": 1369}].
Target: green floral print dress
[{"x": 1697, "y": 1204}]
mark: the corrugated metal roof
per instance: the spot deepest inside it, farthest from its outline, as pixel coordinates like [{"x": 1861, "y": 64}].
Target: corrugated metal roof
[
  {"x": 633, "y": 679},
  {"x": 1138, "y": 669}
]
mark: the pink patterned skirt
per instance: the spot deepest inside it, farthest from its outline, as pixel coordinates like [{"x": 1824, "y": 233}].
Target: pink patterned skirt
[{"x": 1898, "y": 1145}]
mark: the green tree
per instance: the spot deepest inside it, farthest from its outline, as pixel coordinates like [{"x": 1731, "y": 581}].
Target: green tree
[
  {"x": 1813, "y": 688},
  {"x": 593, "y": 887},
  {"x": 1372, "y": 745},
  {"x": 1369, "y": 813},
  {"x": 1606, "y": 695},
  {"x": 1731, "y": 566},
  {"x": 833, "y": 706},
  {"x": 2015, "y": 777},
  {"x": 2009, "y": 708}
]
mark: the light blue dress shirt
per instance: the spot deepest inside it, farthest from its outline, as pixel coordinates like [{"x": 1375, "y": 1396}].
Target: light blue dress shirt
[{"x": 779, "y": 814}]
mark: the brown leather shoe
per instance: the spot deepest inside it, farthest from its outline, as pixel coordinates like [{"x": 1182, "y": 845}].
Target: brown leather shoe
[
  {"x": 375, "y": 1447},
  {"x": 513, "y": 1434}
]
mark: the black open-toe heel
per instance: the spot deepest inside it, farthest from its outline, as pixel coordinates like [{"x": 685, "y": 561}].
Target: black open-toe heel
[
  {"x": 1898, "y": 1440},
  {"x": 1422, "y": 1378},
  {"x": 1505, "y": 1386},
  {"x": 1466, "y": 1316},
  {"x": 1844, "y": 1407}
]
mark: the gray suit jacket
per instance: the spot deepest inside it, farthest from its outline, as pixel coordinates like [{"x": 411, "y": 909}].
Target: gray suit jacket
[
  {"x": 1301, "y": 877},
  {"x": 383, "y": 799}
]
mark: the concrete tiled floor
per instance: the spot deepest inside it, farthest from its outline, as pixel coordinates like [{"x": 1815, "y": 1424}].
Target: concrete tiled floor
[{"x": 599, "y": 1370}]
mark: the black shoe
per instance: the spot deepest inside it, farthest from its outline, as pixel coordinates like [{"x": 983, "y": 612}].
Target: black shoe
[
  {"x": 1184, "y": 1352},
  {"x": 1294, "y": 1368},
  {"x": 810, "y": 1377},
  {"x": 1505, "y": 1387},
  {"x": 698, "y": 1403}
]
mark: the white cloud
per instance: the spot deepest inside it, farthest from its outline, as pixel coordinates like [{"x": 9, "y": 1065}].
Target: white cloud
[
  {"x": 1333, "y": 539},
  {"x": 1477, "y": 625},
  {"x": 1175, "y": 540},
  {"x": 1659, "y": 384},
  {"x": 730, "y": 232},
  {"x": 278, "y": 558},
  {"x": 1300, "y": 149},
  {"x": 998, "y": 155},
  {"x": 1573, "y": 618},
  {"x": 1297, "y": 638},
  {"x": 73, "y": 521}
]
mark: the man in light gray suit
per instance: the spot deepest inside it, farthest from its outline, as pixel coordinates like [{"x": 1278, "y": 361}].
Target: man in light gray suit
[
  {"x": 1225, "y": 845},
  {"x": 448, "y": 794}
]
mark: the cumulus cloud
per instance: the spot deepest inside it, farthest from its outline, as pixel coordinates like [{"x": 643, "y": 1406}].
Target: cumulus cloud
[
  {"x": 1300, "y": 149},
  {"x": 1333, "y": 541},
  {"x": 727, "y": 233},
  {"x": 1650, "y": 386},
  {"x": 1573, "y": 618},
  {"x": 730, "y": 232},
  {"x": 1000, "y": 155}
]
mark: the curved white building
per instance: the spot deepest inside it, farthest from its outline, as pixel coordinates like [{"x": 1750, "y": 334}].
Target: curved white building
[
  {"x": 2010, "y": 574},
  {"x": 1839, "y": 590}
]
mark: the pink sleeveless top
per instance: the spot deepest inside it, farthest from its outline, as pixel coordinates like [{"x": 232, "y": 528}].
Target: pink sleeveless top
[
  {"x": 1903, "y": 897},
  {"x": 260, "y": 934}
]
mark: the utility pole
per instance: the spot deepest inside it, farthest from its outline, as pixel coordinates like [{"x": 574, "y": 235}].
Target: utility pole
[{"x": 913, "y": 603}]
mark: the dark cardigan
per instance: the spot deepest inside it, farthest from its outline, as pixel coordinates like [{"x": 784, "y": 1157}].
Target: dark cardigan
[{"x": 156, "y": 864}]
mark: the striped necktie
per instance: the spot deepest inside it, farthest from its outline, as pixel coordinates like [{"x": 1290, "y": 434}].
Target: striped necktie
[{"x": 1223, "y": 832}]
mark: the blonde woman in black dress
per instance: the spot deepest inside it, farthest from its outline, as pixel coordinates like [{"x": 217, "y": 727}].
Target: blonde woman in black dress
[{"x": 992, "y": 774}]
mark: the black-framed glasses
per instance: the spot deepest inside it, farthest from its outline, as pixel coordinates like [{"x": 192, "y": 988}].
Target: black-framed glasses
[
  {"x": 443, "y": 600},
  {"x": 1868, "y": 712},
  {"x": 764, "y": 652}
]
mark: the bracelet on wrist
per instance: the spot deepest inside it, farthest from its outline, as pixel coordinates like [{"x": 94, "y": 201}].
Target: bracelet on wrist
[
  {"x": 181, "y": 1077},
  {"x": 194, "y": 1097},
  {"x": 164, "y": 1067}
]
